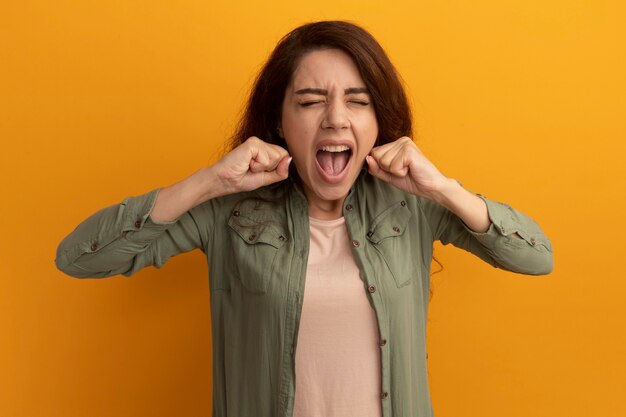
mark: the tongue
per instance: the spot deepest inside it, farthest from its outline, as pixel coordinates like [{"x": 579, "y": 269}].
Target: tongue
[{"x": 333, "y": 162}]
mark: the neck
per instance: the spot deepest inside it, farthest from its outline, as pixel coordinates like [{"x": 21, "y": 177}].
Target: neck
[{"x": 325, "y": 210}]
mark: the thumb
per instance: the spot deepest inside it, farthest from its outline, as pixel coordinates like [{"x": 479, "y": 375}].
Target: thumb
[
  {"x": 376, "y": 170},
  {"x": 282, "y": 168},
  {"x": 280, "y": 173}
]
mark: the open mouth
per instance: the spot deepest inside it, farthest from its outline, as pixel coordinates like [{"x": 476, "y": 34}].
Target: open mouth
[{"x": 333, "y": 159}]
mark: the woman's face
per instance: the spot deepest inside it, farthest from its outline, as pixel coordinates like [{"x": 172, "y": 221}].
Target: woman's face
[{"x": 329, "y": 124}]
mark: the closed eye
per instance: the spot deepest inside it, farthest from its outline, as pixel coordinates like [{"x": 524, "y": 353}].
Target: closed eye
[
  {"x": 360, "y": 102},
  {"x": 309, "y": 103}
]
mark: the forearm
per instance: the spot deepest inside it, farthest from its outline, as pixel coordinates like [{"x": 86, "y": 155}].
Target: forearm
[
  {"x": 178, "y": 198},
  {"x": 467, "y": 206},
  {"x": 494, "y": 231}
]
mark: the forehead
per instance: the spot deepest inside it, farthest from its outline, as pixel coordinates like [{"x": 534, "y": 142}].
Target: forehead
[{"x": 324, "y": 68}]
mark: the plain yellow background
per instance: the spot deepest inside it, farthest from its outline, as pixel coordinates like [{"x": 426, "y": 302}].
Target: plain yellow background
[{"x": 523, "y": 101}]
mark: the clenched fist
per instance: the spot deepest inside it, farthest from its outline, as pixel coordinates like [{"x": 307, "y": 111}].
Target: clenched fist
[
  {"x": 252, "y": 165},
  {"x": 403, "y": 165}
]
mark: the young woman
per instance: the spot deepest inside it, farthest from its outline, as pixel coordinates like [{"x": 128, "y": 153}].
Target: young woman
[{"x": 318, "y": 227}]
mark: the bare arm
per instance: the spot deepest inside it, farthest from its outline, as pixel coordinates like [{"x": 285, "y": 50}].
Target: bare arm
[
  {"x": 178, "y": 198},
  {"x": 466, "y": 205},
  {"x": 250, "y": 166}
]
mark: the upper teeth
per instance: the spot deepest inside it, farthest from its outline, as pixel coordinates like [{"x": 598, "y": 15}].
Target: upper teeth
[{"x": 336, "y": 148}]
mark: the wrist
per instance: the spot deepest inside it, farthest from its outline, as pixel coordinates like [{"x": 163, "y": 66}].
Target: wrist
[
  {"x": 470, "y": 208},
  {"x": 446, "y": 192},
  {"x": 208, "y": 183}
]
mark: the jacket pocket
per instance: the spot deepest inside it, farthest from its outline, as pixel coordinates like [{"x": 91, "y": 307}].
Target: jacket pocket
[
  {"x": 387, "y": 235},
  {"x": 255, "y": 245}
]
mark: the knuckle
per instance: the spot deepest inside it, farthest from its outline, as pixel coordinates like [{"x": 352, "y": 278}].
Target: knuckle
[{"x": 255, "y": 140}]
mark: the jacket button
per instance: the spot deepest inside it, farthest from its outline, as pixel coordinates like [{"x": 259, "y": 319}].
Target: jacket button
[
  {"x": 282, "y": 238},
  {"x": 396, "y": 229},
  {"x": 384, "y": 395},
  {"x": 236, "y": 213},
  {"x": 251, "y": 237},
  {"x": 371, "y": 288},
  {"x": 94, "y": 246},
  {"x": 403, "y": 203},
  {"x": 382, "y": 342},
  {"x": 349, "y": 207},
  {"x": 138, "y": 223},
  {"x": 532, "y": 241},
  {"x": 370, "y": 234},
  {"x": 356, "y": 243}
]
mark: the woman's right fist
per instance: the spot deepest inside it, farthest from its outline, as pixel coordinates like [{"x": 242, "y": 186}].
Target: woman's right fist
[{"x": 252, "y": 165}]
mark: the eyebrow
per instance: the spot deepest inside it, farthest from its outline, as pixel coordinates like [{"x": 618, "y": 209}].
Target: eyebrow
[{"x": 323, "y": 92}]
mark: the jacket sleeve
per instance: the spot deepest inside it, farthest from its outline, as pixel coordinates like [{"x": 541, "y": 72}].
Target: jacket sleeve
[
  {"x": 532, "y": 254},
  {"x": 123, "y": 239}
]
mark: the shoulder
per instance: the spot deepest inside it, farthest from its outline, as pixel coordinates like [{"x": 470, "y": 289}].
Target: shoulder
[
  {"x": 380, "y": 194},
  {"x": 258, "y": 204},
  {"x": 384, "y": 202}
]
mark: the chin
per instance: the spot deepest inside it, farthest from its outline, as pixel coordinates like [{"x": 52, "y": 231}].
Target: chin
[
  {"x": 324, "y": 191},
  {"x": 333, "y": 192},
  {"x": 334, "y": 195}
]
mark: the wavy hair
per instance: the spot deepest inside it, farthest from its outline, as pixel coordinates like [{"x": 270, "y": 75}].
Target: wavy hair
[{"x": 262, "y": 112}]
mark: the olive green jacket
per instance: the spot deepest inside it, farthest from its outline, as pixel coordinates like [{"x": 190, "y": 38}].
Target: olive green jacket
[{"x": 257, "y": 246}]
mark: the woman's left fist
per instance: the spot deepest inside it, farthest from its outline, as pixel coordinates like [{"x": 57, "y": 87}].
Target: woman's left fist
[{"x": 403, "y": 165}]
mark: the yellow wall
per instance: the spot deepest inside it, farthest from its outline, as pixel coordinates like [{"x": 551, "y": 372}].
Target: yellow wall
[{"x": 523, "y": 101}]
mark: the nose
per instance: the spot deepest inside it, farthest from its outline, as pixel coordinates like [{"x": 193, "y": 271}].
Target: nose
[{"x": 336, "y": 116}]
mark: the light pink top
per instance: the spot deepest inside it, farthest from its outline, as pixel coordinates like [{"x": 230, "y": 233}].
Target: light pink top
[{"x": 337, "y": 354}]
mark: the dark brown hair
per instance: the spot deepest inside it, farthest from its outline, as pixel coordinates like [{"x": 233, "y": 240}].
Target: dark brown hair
[{"x": 261, "y": 116}]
